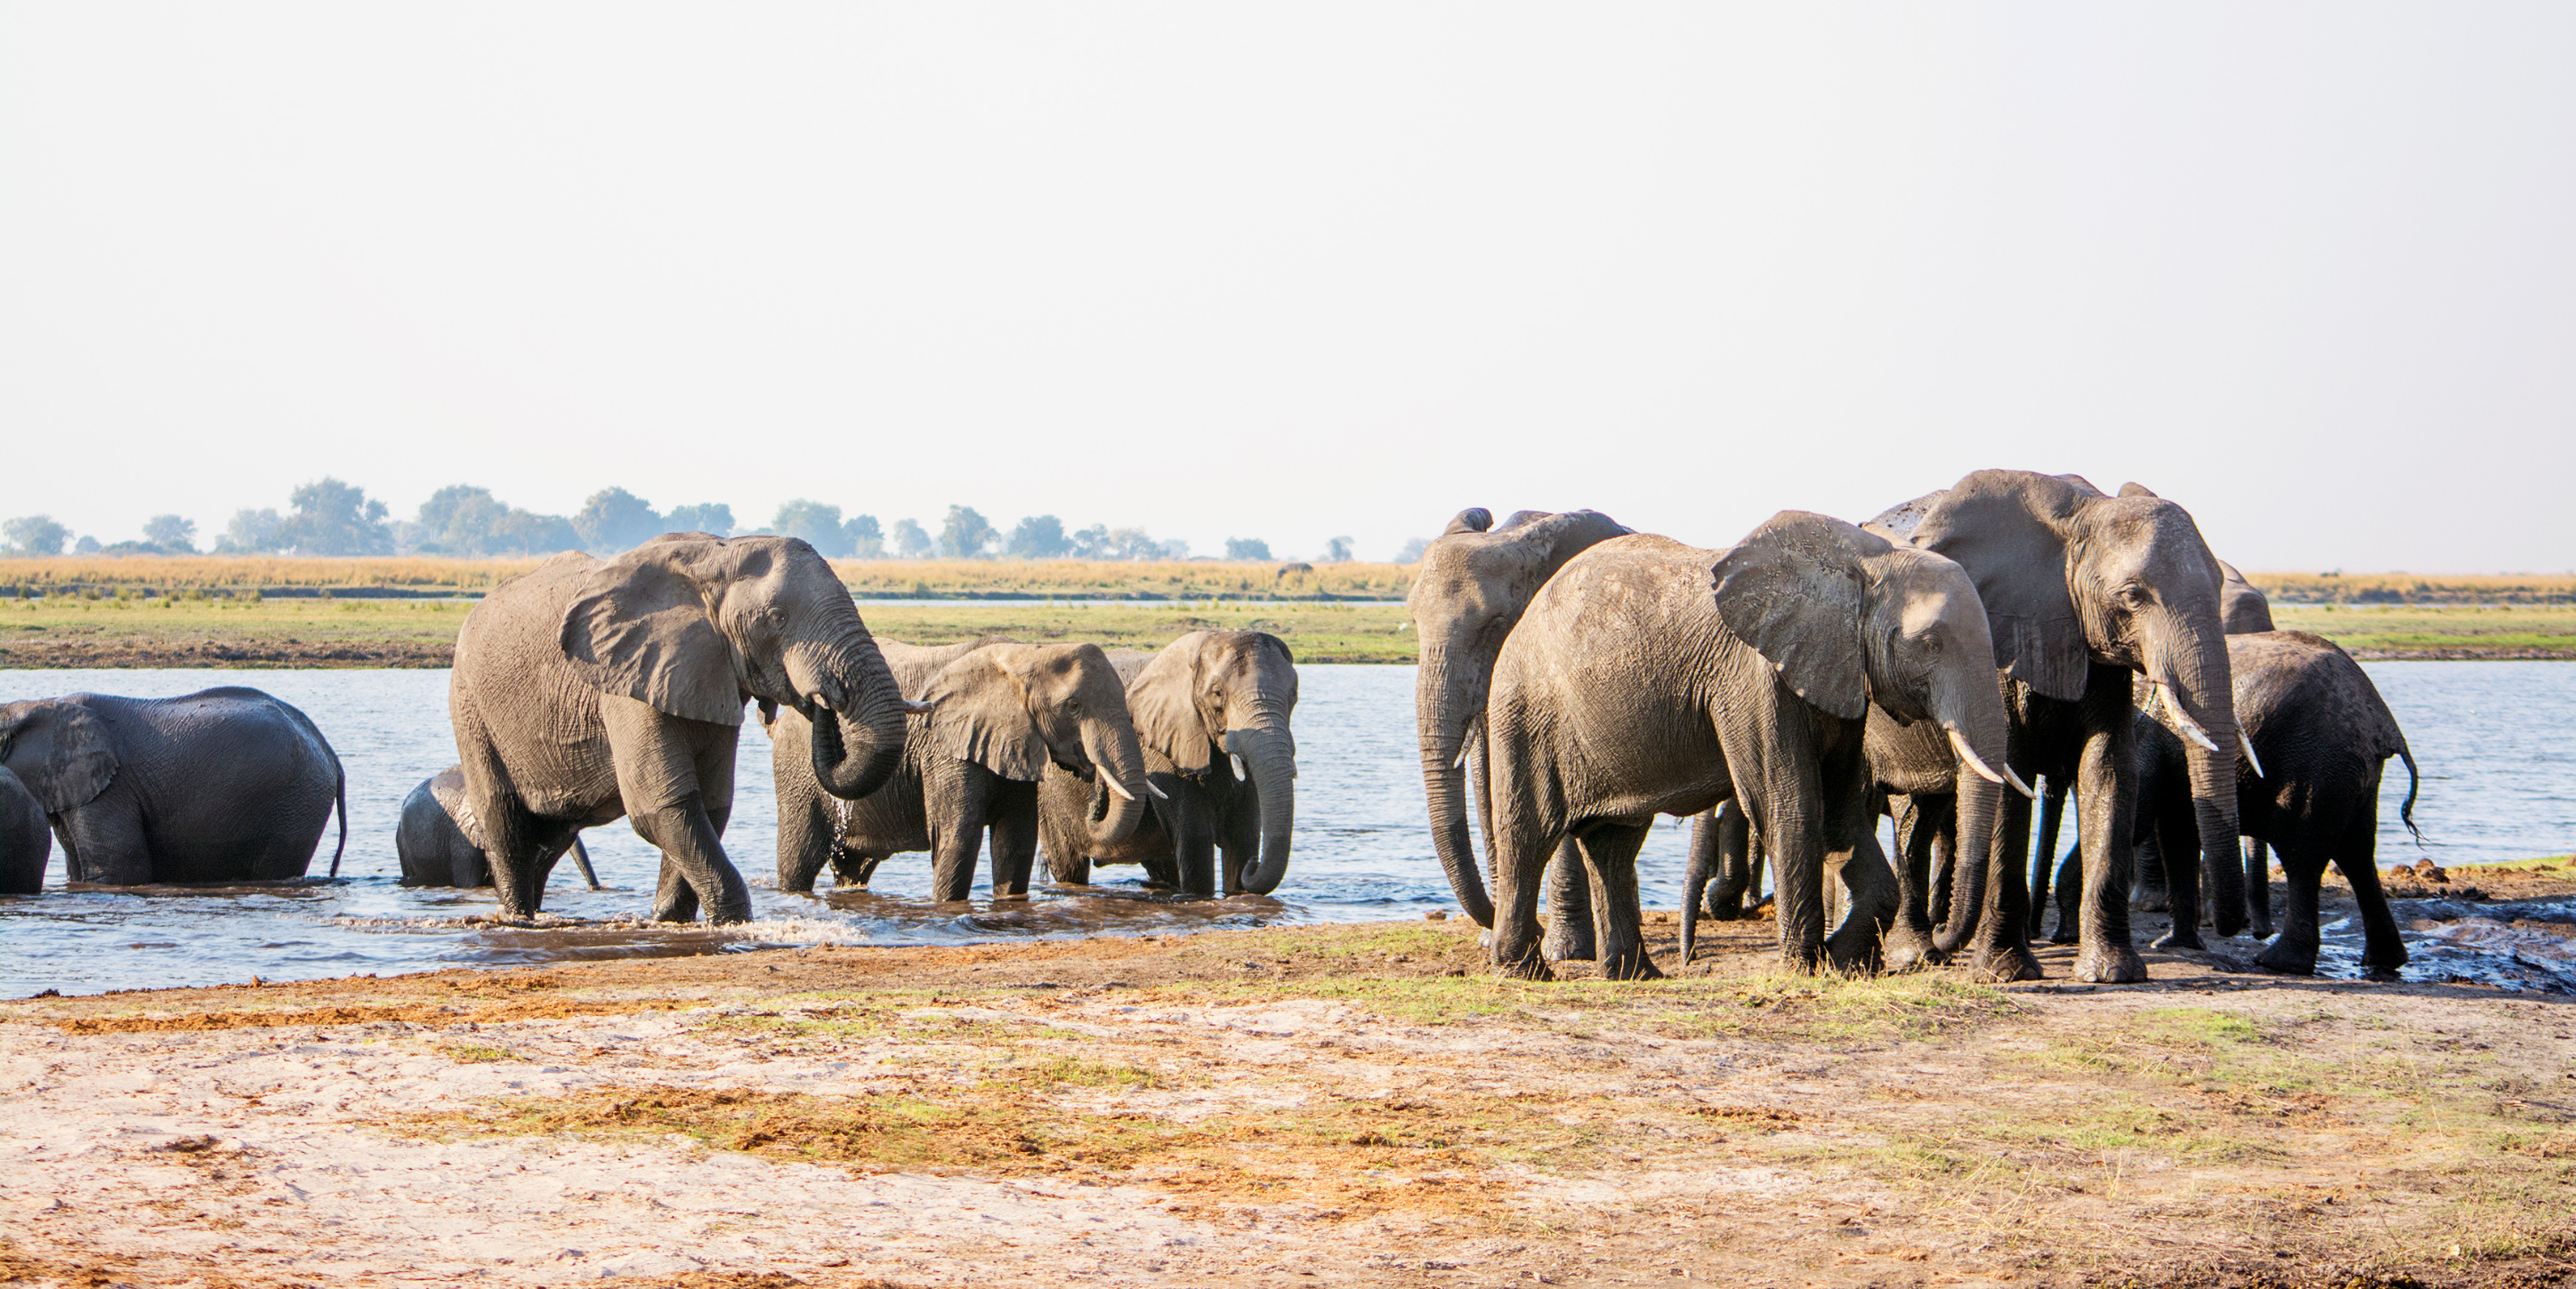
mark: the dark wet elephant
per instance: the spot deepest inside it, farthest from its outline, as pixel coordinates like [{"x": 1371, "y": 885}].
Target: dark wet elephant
[
  {"x": 992, "y": 717},
  {"x": 26, "y": 842},
  {"x": 223, "y": 785},
  {"x": 2323, "y": 735},
  {"x": 591, "y": 690},
  {"x": 1212, "y": 711},
  {"x": 434, "y": 846},
  {"x": 2086, "y": 595}
]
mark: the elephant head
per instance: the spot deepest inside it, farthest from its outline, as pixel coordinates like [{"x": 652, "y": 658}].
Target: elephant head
[
  {"x": 2242, "y": 609},
  {"x": 2071, "y": 577},
  {"x": 26, "y": 843},
  {"x": 1012, "y": 708},
  {"x": 60, "y": 750},
  {"x": 693, "y": 625},
  {"x": 1850, "y": 620},
  {"x": 1215, "y": 697},
  {"x": 1470, "y": 589}
]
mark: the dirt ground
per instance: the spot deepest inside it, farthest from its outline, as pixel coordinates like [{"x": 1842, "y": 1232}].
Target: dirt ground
[{"x": 1305, "y": 1106}]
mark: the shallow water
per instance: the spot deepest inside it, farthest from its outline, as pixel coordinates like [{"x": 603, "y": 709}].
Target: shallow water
[{"x": 2498, "y": 785}]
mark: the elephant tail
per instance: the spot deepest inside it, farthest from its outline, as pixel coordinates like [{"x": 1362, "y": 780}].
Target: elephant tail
[
  {"x": 2406, "y": 812},
  {"x": 343, "y": 796}
]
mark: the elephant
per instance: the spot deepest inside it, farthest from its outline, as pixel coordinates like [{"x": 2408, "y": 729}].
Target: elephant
[
  {"x": 1472, "y": 585},
  {"x": 2085, "y": 593},
  {"x": 1649, "y": 677},
  {"x": 436, "y": 849},
  {"x": 1212, "y": 712},
  {"x": 2322, "y": 735},
  {"x": 992, "y": 716},
  {"x": 586, "y": 690},
  {"x": 2243, "y": 610},
  {"x": 26, "y": 841},
  {"x": 222, "y": 785}
]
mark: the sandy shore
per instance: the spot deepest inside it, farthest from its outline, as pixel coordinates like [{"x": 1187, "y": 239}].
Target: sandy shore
[{"x": 1335, "y": 1105}]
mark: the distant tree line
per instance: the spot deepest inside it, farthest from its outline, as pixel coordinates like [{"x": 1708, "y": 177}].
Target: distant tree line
[{"x": 329, "y": 517}]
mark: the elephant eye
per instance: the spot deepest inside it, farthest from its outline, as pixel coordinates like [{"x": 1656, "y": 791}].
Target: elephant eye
[
  {"x": 2133, "y": 595},
  {"x": 1073, "y": 707}
]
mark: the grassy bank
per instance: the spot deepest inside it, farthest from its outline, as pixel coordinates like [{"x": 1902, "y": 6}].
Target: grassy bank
[
  {"x": 2406, "y": 588},
  {"x": 2429, "y": 631}
]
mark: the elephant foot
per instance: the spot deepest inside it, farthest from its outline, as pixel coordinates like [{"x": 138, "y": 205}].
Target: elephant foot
[
  {"x": 2179, "y": 938},
  {"x": 2110, "y": 965},
  {"x": 1631, "y": 966},
  {"x": 1856, "y": 957},
  {"x": 2065, "y": 935},
  {"x": 2288, "y": 959},
  {"x": 1573, "y": 944},
  {"x": 2259, "y": 929},
  {"x": 1530, "y": 968},
  {"x": 2003, "y": 966},
  {"x": 2225, "y": 925},
  {"x": 1905, "y": 951}
]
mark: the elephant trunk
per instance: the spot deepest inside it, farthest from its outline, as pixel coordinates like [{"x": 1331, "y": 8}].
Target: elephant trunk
[
  {"x": 1119, "y": 763},
  {"x": 849, "y": 695},
  {"x": 2198, "y": 690},
  {"x": 1272, "y": 760},
  {"x": 1446, "y": 701},
  {"x": 1977, "y": 734}
]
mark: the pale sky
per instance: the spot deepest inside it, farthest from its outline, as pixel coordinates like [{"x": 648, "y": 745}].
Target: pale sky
[{"x": 1303, "y": 270}]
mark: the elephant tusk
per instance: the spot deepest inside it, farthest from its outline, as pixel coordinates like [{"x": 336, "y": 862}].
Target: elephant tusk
[
  {"x": 1149, "y": 787},
  {"x": 1236, "y": 760},
  {"x": 820, "y": 703},
  {"x": 911, "y": 708},
  {"x": 1968, "y": 756},
  {"x": 2182, "y": 720},
  {"x": 1112, "y": 784},
  {"x": 1461, "y": 762},
  {"x": 2250, "y": 759}
]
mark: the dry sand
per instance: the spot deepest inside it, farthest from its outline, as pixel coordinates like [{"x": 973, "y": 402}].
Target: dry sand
[{"x": 1313, "y": 1106}]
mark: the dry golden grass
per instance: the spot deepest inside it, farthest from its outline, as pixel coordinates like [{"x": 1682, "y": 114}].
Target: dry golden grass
[{"x": 2407, "y": 588}]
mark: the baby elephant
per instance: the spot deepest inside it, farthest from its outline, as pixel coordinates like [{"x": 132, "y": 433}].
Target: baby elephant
[
  {"x": 222, "y": 785},
  {"x": 2322, "y": 735},
  {"x": 1212, "y": 714},
  {"x": 435, "y": 847}
]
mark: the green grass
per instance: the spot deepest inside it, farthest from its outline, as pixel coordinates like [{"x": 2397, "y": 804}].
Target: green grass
[
  {"x": 2420, "y": 630},
  {"x": 477, "y": 1053}
]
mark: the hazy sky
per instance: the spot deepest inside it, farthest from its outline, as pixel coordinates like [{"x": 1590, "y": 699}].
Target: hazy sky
[{"x": 1302, "y": 270}]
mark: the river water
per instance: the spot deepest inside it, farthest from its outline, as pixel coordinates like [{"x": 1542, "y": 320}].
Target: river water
[{"x": 2499, "y": 783}]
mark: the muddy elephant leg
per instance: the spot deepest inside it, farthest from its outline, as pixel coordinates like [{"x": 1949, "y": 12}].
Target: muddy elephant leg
[
  {"x": 1192, "y": 868},
  {"x": 103, "y": 842},
  {"x": 2258, "y": 887},
  {"x": 1608, "y": 853},
  {"x": 2052, "y": 813},
  {"x": 1014, "y": 839},
  {"x": 2294, "y": 951},
  {"x": 1238, "y": 837},
  {"x": 2383, "y": 950},
  {"x": 2105, "y": 791},
  {"x": 956, "y": 805},
  {"x": 1918, "y": 821},
  {"x": 2001, "y": 936},
  {"x": 1570, "y": 933},
  {"x": 2176, "y": 828}
]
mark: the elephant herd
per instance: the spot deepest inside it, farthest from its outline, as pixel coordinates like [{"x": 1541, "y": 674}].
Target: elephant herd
[
  {"x": 1929, "y": 666},
  {"x": 587, "y": 690},
  {"x": 1576, "y": 680}
]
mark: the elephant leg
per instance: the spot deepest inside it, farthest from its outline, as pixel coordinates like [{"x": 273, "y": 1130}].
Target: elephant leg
[
  {"x": 1570, "y": 935},
  {"x": 1703, "y": 864},
  {"x": 2294, "y": 951},
  {"x": 675, "y": 779},
  {"x": 1518, "y": 850},
  {"x": 2070, "y": 897},
  {"x": 1238, "y": 836},
  {"x": 1192, "y": 867},
  {"x": 808, "y": 823},
  {"x": 1918, "y": 822},
  {"x": 2001, "y": 937},
  {"x": 2176, "y": 827},
  {"x": 954, "y": 800},
  {"x": 2258, "y": 887},
  {"x": 1608, "y": 853},
  {"x": 852, "y": 869},
  {"x": 103, "y": 842},
  {"x": 1735, "y": 885},
  {"x": 2105, "y": 791},
  {"x": 2383, "y": 950},
  {"x": 2052, "y": 813},
  {"x": 1014, "y": 840}
]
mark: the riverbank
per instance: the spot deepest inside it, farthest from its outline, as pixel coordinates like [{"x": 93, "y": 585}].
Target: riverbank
[
  {"x": 310, "y": 632},
  {"x": 1319, "y": 1105}
]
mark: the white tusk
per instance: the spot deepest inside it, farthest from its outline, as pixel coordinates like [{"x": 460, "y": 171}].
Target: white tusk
[
  {"x": 1461, "y": 762},
  {"x": 1237, "y": 760},
  {"x": 2019, "y": 786},
  {"x": 819, "y": 701},
  {"x": 1968, "y": 755},
  {"x": 1112, "y": 785},
  {"x": 912, "y": 708},
  {"x": 2250, "y": 759},
  {"x": 1149, "y": 787},
  {"x": 2182, "y": 720}
]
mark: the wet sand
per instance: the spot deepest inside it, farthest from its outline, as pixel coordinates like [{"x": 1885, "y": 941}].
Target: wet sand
[{"x": 1316, "y": 1105}]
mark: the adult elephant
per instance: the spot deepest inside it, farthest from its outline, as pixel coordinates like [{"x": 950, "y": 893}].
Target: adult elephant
[
  {"x": 1473, "y": 584},
  {"x": 993, "y": 717},
  {"x": 26, "y": 842},
  {"x": 1212, "y": 712},
  {"x": 435, "y": 847},
  {"x": 588, "y": 690},
  {"x": 1649, "y": 677},
  {"x": 2084, "y": 594},
  {"x": 2323, "y": 735},
  {"x": 222, "y": 785}
]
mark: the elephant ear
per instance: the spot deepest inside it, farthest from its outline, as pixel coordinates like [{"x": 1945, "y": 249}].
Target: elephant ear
[
  {"x": 61, "y": 751},
  {"x": 2007, "y": 529},
  {"x": 2131, "y": 489},
  {"x": 1792, "y": 590},
  {"x": 980, "y": 713},
  {"x": 1163, "y": 699},
  {"x": 1474, "y": 519},
  {"x": 638, "y": 627}
]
